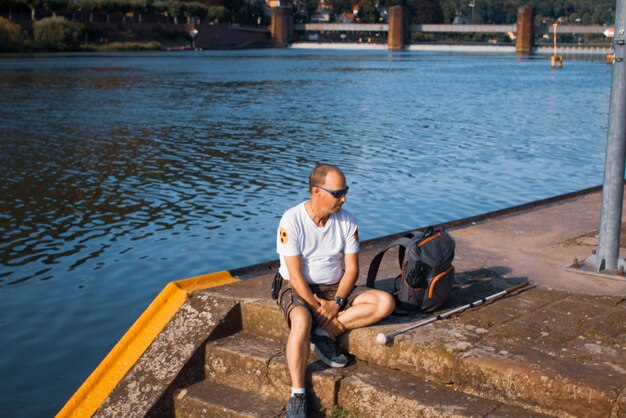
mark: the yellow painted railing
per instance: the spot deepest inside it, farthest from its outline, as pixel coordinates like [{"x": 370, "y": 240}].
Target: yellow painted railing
[{"x": 94, "y": 391}]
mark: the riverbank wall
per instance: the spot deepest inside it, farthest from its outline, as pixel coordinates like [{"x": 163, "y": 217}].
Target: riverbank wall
[{"x": 207, "y": 35}]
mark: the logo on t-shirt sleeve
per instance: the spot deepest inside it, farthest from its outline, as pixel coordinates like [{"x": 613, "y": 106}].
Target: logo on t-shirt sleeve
[
  {"x": 356, "y": 235},
  {"x": 283, "y": 235}
]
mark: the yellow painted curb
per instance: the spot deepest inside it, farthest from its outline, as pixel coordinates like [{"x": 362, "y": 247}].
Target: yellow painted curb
[{"x": 94, "y": 391}]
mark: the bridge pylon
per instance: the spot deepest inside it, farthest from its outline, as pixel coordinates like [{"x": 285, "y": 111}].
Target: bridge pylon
[
  {"x": 524, "y": 31},
  {"x": 281, "y": 27},
  {"x": 398, "y": 28}
]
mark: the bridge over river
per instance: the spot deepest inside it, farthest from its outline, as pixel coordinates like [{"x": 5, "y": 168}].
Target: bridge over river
[
  {"x": 440, "y": 28},
  {"x": 397, "y": 32}
]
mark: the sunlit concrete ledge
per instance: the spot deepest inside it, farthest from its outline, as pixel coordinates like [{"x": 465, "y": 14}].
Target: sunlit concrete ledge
[
  {"x": 509, "y": 49},
  {"x": 415, "y": 47},
  {"x": 307, "y": 45},
  {"x": 499, "y": 49},
  {"x": 574, "y": 50}
]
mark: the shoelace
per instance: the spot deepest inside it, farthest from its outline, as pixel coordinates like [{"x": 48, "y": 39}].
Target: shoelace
[{"x": 298, "y": 402}]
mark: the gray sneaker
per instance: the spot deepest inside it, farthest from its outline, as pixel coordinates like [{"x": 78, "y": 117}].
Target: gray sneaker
[
  {"x": 328, "y": 351},
  {"x": 296, "y": 408}
]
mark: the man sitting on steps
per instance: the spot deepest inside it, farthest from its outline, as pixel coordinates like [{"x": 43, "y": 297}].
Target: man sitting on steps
[{"x": 318, "y": 244}]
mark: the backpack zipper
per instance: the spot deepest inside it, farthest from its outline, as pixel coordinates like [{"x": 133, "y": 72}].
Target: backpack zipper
[{"x": 437, "y": 277}]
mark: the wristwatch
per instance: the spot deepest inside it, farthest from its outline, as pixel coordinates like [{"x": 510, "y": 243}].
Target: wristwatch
[{"x": 340, "y": 301}]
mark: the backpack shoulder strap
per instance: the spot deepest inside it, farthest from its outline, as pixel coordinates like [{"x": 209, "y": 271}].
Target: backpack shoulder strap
[
  {"x": 415, "y": 235},
  {"x": 375, "y": 264},
  {"x": 422, "y": 233}
]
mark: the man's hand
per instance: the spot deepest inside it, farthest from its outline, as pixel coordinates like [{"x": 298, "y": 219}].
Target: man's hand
[
  {"x": 335, "y": 328},
  {"x": 326, "y": 312}
]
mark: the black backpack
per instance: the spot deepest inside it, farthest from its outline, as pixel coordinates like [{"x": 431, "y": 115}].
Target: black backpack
[{"x": 427, "y": 273}]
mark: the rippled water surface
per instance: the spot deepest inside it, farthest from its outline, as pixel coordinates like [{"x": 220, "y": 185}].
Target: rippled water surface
[{"x": 122, "y": 172}]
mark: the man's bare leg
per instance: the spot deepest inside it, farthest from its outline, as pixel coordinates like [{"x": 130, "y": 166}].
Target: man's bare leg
[
  {"x": 369, "y": 307},
  {"x": 298, "y": 345}
]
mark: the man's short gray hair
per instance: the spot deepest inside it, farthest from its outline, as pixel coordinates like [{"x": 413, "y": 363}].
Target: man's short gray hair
[{"x": 319, "y": 173}]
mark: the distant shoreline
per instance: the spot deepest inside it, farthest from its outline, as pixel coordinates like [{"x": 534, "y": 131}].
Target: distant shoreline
[{"x": 590, "y": 51}]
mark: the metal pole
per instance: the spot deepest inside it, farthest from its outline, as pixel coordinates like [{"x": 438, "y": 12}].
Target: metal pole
[
  {"x": 383, "y": 338},
  {"x": 613, "y": 188},
  {"x": 554, "y": 26}
]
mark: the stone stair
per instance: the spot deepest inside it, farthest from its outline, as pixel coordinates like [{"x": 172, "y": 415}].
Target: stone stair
[
  {"x": 210, "y": 399},
  {"x": 246, "y": 375}
]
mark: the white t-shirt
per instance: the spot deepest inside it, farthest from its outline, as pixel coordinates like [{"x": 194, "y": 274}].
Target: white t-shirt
[{"x": 321, "y": 249}]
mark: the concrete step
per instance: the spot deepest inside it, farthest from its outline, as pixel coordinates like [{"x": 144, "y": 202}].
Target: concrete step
[
  {"x": 503, "y": 362},
  {"x": 372, "y": 391},
  {"x": 264, "y": 318},
  {"x": 257, "y": 364},
  {"x": 209, "y": 399},
  {"x": 482, "y": 353},
  {"x": 436, "y": 361}
]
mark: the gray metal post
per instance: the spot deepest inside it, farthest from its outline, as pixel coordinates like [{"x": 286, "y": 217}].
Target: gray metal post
[{"x": 613, "y": 188}]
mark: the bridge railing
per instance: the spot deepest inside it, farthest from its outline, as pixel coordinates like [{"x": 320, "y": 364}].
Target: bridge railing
[
  {"x": 562, "y": 29},
  {"x": 463, "y": 28},
  {"x": 442, "y": 28},
  {"x": 342, "y": 27}
]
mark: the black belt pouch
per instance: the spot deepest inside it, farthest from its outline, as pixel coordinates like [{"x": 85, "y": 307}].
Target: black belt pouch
[{"x": 276, "y": 285}]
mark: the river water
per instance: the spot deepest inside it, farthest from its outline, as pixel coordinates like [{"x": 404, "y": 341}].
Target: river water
[{"x": 122, "y": 172}]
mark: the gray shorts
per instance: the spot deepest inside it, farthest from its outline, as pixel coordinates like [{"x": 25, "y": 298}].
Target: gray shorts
[{"x": 289, "y": 299}]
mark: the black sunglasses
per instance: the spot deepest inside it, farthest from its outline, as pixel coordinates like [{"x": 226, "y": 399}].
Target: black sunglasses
[{"x": 337, "y": 194}]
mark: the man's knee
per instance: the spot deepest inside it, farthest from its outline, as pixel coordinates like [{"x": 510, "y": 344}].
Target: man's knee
[
  {"x": 387, "y": 304},
  {"x": 300, "y": 319},
  {"x": 383, "y": 302}
]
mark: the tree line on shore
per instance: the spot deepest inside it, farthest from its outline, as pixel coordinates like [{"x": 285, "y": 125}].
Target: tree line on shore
[
  {"x": 177, "y": 9},
  {"x": 54, "y": 32},
  {"x": 55, "y": 24},
  {"x": 587, "y": 12}
]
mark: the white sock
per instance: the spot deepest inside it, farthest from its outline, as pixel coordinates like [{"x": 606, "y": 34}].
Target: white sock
[
  {"x": 321, "y": 332},
  {"x": 298, "y": 391}
]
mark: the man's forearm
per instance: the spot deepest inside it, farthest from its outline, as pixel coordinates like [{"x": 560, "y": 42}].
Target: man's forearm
[
  {"x": 298, "y": 282},
  {"x": 346, "y": 284},
  {"x": 350, "y": 275},
  {"x": 303, "y": 290}
]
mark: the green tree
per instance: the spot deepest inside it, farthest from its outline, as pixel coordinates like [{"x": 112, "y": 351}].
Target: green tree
[
  {"x": 139, "y": 7},
  {"x": 93, "y": 6},
  {"x": 368, "y": 11},
  {"x": 603, "y": 14},
  {"x": 197, "y": 10},
  {"x": 448, "y": 11},
  {"x": 219, "y": 13},
  {"x": 187, "y": 10},
  {"x": 33, "y": 5},
  {"x": 425, "y": 11},
  {"x": 505, "y": 11},
  {"x": 511, "y": 15},
  {"x": 341, "y": 6},
  {"x": 586, "y": 19},
  {"x": 58, "y": 6},
  {"x": 494, "y": 12},
  {"x": 311, "y": 6},
  {"x": 257, "y": 10},
  {"x": 11, "y": 36},
  {"x": 56, "y": 34},
  {"x": 234, "y": 6}
]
